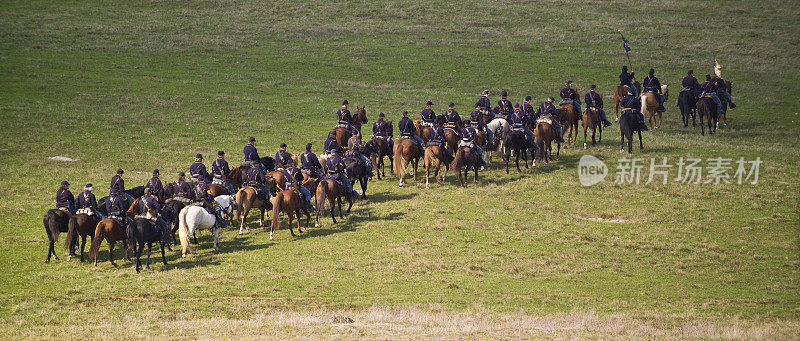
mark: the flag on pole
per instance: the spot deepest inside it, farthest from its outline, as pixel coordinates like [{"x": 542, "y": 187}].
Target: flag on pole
[
  {"x": 625, "y": 43},
  {"x": 717, "y": 68}
]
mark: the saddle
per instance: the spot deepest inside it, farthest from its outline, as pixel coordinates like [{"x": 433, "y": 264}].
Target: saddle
[
  {"x": 452, "y": 129},
  {"x": 119, "y": 219},
  {"x": 545, "y": 120},
  {"x": 87, "y": 211},
  {"x": 146, "y": 217},
  {"x": 565, "y": 101},
  {"x": 64, "y": 209},
  {"x": 184, "y": 200},
  {"x": 426, "y": 124},
  {"x": 518, "y": 127}
]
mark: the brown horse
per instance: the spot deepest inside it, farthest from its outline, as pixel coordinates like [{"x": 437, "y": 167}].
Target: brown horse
[
  {"x": 217, "y": 190},
  {"x": 452, "y": 139},
  {"x": 435, "y": 156},
  {"x": 331, "y": 190},
  {"x": 359, "y": 118},
  {"x": 275, "y": 181},
  {"x": 650, "y": 106},
  {"x": 290, "y": 203},
  {"x": 405, "y": 152},
  {"x": 544, "y": 135},
  {"x": 342, "y": 136},
  {"x": 708, "y": 111},
  {"x": 310, "y": 183},
  {"x": 110, "y": 230},
  {"x": 570, "y": 117},
  {"x": 246, "y": 198},
  {"x": 55, "y": 222},
  {"x": 465, "y": 159},
  {"x": 380, "y": 148},
  {"x": 81, "y": 224},
  {"x": 422, "y": 131},
  {"x": 591, "y": 119},
  {"x": 620, "y": 93}
]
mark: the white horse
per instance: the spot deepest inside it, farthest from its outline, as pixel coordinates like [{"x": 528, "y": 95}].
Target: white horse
[
  {"x": 192, "y": 218},
  {"x": 497, "y": 126}
]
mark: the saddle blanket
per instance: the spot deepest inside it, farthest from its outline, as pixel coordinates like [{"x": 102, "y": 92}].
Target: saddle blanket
[
  {"x": 87, "y": 211},
  {"x": 145, "y": 216},
  {"x": 426, "y": 124},
  {"x": 566, "y": 101},
  {"x": 545, "y": 120}
]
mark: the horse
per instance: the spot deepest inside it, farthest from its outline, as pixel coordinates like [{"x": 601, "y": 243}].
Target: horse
[
  {"x": 331, "y": 190},
  {"x": 687, "y": 104},
  {"x": 650, "y": 106},
  {"x": 515, "y": 142},
  {"x": 724, "y": 116},
  {"x": 591, "y": 119},
  {"x": 110, "y": 230},
  {"x": 423, "y": 131},
  {"x": 247, "y": 198},
  {"x": 170, "y": 212},
  {"x": 359, "y": 118},
  {"x": 544, "y": 134},
  {"x": 570, "y": 118},
  {"x": 310, "y": 183},
  {"x": 238, "y": 175},
  {"x": 452, "y": 138},
  {"x": 141, "y": 233},
  {"x": 55, "y": 221},
  {"x": 80, "y": 224},
  {"x": 290, "y": 203},
  {"x": 357, "y": 172},
  {"x": 342, "y": 136},
  {"x": 499, "y": 128},
  {"x": 465, "y": 160},
  {"x": 435, "y": 156},
  {"x": 708, "y": 110},
  {"x": 380, "y": 148},
  {"x": 628, "y": 123},
  {"x": 192, "y": 218},
  {"x": 405, "y": 152},
  {"x": 622, "y": 91},
  {"x": 275, "y": 181}
]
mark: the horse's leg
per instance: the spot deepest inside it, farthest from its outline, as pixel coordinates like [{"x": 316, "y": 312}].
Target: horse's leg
[
  {"x": 621, "y": 140},
  {"x": 163, "y": 256},
  {"x": 290, "y": 217},
  {"x": 702, "y": 127},
  {"x": 641, "y": 146},
  {"x": 139, "y": 248},
  {"x": 332, "y": 202},
  {"x": 475, "y": 168},
  {"x": 149, "y": 252},
  {"x": 516, "y": 160},
  {"x": 83, "y": 245},
  {"x": 216, "y": 239},
  {"x": 243, "y": 216}
]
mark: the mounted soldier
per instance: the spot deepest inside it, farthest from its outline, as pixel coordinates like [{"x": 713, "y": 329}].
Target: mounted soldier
[
  {"x": 65, "y": 201},
  {"x": 344, "y": 119},
  {"x": 631, "y": 104},
  {"x": 182, "y": 189},
  {"x": 87, "y": 200},
  {"x": 381, "y": 129},
  {"x": 255, "y": 179},
  {"x": 337, "y": 169},
  {"x": 283, "y": 158},
  {"x": 118, "y": 185},
  {"x": 206, "y": 199},
  {"x": 548, "y": 110},
  {"x": 477, "y": 121},
  {"x": 155, "y": 186},
  {"x": 115, "y": 207},
  {"x": 627, "y": 79},
  {"x": 486, "y": 105},
  {"x": 437, "y": 138},
  {"x": 150, "y": 209},
  {"x": 428, "y": 116},
  {"x": 251, "y": 158},
  {"x": 330, "y": 143},
  {"x": 519, "y": 122},
  {"x": 294, "y": 179},
  {"x": 468, "y": 135},
  {"x": 570, "y": 96},
  {"x": 355, "y": 149},
  {"x": 452, "y": 118},
  {"x": 506, "y": 109},
  {"x": 198, "y": 170},
  {"x": 309, "y": 163},
  {"x": 408, "y": 130},
  {"x": 690, "y": 84},
  {"x": 722, "y": 89},
  {"x": 709, "y": 88},
  {"x": 595, "y": 100},
  {"x": 652, "y": 84},
  {"x": 528, "y": 109},
  {"x": 220, "y": 172}
]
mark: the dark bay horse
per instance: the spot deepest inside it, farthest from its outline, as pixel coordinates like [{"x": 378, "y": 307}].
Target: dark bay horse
[
  {"x": 621, "y": 92},
  {"x": 380, "y": 149},
  {"x": 405, "y": 152},
  {"x": 55, "y": 222},
  {"x": 628, "y": 123},
  {"x": 83, "y": 225},
  {"x": 545, "y": 135},
  {"x": 591, "y": 119},
  {"x": 515, "y": 142},
  {"x": 333, "y": 192},
  {"x": 110, "y": 230},
  {"x": 435, "y": 157},
  {"x": 290, "y": 203},
  {"x": 357, "y": 172},
  {"x": 170, "y": 212},
  {"x": 687, "y": 104},
  {"x": 247, "y": 198},
  {"x": 465, "y": 159},
  {"x": 708, "y": 111},
  {"x": 359, "y": 118},
  {"x": 342, "y": 136},
  {"x": 142, "y": 232},
  {"x": 452, "y": 138},
  {"x": 570, "y": 118}
]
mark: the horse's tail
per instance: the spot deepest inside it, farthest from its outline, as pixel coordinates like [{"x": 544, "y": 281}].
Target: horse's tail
[
  {"x": 322, "y": 192},
  {"x": 98, "y": 238},
  {"x": 644, "y": 103},
  {"x": 239, "y": 199},
  {"x": 399, "y": 160},
  {"x": 72, "y": 233},
  {"x": 540, "y": 134},
  {"x": 131, "y": 231},
  {"x": 458, "y": 157},
  {"x": 183, "y": 229},
  {"x": 276, "y": 211}
]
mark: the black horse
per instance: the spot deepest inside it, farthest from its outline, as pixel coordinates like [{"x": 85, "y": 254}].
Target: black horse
[
  {"x": 628, "y": 123},
  {"x": 357, "y": 172},
  {"x": 687, "y": 103},
  {"x": 170, "y": 213},
  {"x": 55, "y": 222},
  {"x": 708, "y": 110},
  {"x": 516, "y": 142},
  {"x": 142, "y": 232}
]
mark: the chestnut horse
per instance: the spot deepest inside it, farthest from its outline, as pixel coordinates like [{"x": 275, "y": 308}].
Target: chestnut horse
[
  {"x": 435, "y": 156},
  {"x": 405, "y": 152},
  {"x": 591, "y": 119},
  {"x": 359, "y": 118},
  {"x": 288, "y": 202},
  {"x": 708, "y": 110},
  {"x": 545, "y": 135},
  {"x": 81, "y": 224},
  {"x": 650, "y": 106},
  {"x": 570, "y": 118},
  {"x": 465, "y": 159},
  {"x": 452, "y": 138},
  {"x": 246, "y": 198},
  {"x": 110, "y": 230},
  {"x": 331, "y": 190},
  {"x": 621, "y": 92}
]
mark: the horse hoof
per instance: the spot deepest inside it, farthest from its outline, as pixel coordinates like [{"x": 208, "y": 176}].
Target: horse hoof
[
  {"x": 584, "y": 145},
  {"x": 622, "y": 150},
  {"x": 69, "y": 258}
]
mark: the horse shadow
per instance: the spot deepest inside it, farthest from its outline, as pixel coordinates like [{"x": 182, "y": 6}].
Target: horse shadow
[{"x": 382, "y": 197}]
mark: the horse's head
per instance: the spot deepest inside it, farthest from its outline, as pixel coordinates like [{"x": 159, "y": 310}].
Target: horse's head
[
  {"x": 361, "y": 114},
  {"x": 226, "y": 205},
  {"x": 390, "y": 131},
  {"x": 441, "y": 120},
  {"x": 496, "y": 109},
  {"x": 729, "y": 85},
  {"x": 665, "y": 91}
]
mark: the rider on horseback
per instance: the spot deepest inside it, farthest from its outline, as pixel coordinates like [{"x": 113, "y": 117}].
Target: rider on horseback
[
  {"x": 118, "y": 185},
  {"x": 294, "y": 179},
  {"x": 345, "y": 119},
  {"x": 203, "y": 196},
  {"x": 468, "y": 135},
  {"x": 630, "y": 105},
  {"x": 330, "y": 143},
  {"x": 149, "y": 203},
  {"x": 505, "y": 106},
  {"x": 428, "y": 116},
  {"x": 652, "y": 84},
  {"x": 548, "y": 110},
  {"x": 710, "y": 90},
  {"x": 627, "y": 79},
  {"x": 690, "y": 84},
  {"x": 198, "y": 170},
  {"x": 181, "y": 188},
  {"x": 220, "y": 171},
  {"x": 87, "y": 200},
  {"x": 64, "y": 198},
  {"x": 407, "y": 129},
  {"x": 453, "y": 119},
  {"x": 570, "y": 96},
  {"x": 722, "y": 88},
  {"x": 251, "y": 158},
  {"x": 486, "y": 104},
  {"x": 309, "y": 163},
  {"x": 255, "y": 179},
  {"x": 476, "y": 119},
  {"x": 528, "y": 109},
  {"x": 519, "y": 121},
  {"x": 116, "y": 208},
  {"x": 355, "y": 146},
  {"x": 283, "y": 157},
  {"x": 594, "y": 100},
  {"x": 337, "y": 170},
  {"x": 436, "y": 138},
  {"x": 381, "y": 129},
  {"x": 155, "y": 186}
]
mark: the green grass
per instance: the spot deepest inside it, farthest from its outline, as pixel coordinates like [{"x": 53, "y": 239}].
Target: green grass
[{"x": 143, "y": 85}]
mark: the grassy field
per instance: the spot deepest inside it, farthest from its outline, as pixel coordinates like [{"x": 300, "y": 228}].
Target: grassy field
[{"x": 147, "y": 84}]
